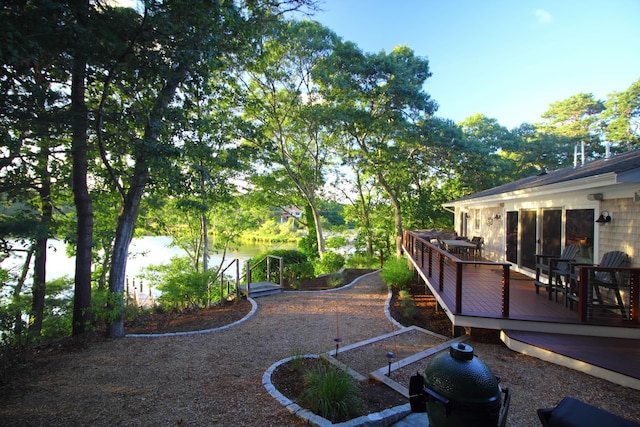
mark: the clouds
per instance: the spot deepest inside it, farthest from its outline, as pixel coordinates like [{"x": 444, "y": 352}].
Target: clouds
[{"x": 543, "y": 17}]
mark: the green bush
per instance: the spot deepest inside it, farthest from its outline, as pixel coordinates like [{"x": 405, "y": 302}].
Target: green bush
[
  {"x": 331, "y": 263},
  {"x": 332, "y": 393},
  {"x": 395, "y": 273},
  {"x": 296, "y": 266},
  {"x": 360, "y": 260},
  {"x": 409, "y": 307},
  {"x": 181, "y": 287}
]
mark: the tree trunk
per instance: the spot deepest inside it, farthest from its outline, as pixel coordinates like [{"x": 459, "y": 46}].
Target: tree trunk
[
  {"x": 319, "y": 236},
  {"x": 84, "y": 210},
  {"x": 124, "y": 234},
  {"x": 397, "y": 213},
  {"x": 131, "y": 204}
]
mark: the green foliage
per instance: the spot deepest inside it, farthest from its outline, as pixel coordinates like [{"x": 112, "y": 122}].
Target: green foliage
[
  {"x": 271, "y": 231},
  {"x": 330, "y": 263},
  {"x": 335, "y": 242},
  {"x": 296, "y": 266},
  {"x": 335, "y": 280},
  {"x": 360, "y": 260},
  {"x": 409, "y": 307},
  {"x": 332, "y": 393},
  {"x": 309, "y": 244},
  {"x": 396, "y": 273},
  {"x": 181, "y": 287}
]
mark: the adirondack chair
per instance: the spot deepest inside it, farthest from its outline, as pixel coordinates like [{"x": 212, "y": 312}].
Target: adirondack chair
[
  {"x": 603, "y": 279},
  {"x": 552, "y": 272}
]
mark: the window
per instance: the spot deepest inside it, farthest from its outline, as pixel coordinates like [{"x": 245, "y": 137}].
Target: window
[
  {"x": 579, "y": 231},
  {"x": 476, "y": 219}
]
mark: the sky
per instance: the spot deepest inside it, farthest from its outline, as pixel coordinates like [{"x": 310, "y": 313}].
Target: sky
[{"x": 508, "y": 60}]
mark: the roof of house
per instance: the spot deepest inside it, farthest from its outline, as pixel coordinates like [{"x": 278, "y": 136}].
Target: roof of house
[{"x": 624, "y": 164}]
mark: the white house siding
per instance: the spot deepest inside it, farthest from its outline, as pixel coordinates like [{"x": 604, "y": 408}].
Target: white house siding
[{"x": 623, "y": 232}]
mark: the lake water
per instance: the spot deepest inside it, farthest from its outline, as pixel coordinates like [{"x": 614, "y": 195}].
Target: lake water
[{"x": 143, "y": 251}]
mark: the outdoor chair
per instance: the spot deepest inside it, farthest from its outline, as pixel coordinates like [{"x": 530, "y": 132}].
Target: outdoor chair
[
  {"x": 477, "y": 251},
  {"x": 598, "y": 279},
  {"x": 552, "y": 272}
]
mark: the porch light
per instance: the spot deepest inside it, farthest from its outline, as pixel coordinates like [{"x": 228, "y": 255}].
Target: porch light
[{"x": 604, "y": 218}]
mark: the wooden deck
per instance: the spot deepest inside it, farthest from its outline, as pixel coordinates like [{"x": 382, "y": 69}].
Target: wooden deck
[
  {"x": 482, "y": 294},
  {"x": 489, "y": 295}
]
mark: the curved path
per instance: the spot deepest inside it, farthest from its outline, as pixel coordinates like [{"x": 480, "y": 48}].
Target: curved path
[{"x": 203, "y": 379}]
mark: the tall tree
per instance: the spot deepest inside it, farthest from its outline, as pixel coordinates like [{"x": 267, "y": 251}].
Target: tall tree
[
  {"x": 378, "y": 99},
  {"x": 622, "y": 118},
  {"x": 172, "y": 47},
  {"x": 577, "y": 119},
  {"x": 80, "y": 157},
  {"x": 283, "y": 104}
]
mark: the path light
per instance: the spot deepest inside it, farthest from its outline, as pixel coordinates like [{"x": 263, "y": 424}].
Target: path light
[
  {"x": 390, "y": 356},
  {"x": 338, "y": 340}
]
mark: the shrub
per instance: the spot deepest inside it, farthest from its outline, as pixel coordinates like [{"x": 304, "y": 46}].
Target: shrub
[
  {"x": 396, "y": 273},
  {"x": 359, "y": 260},
  {"x": 332, "y": 393},
  {"x": 296, "y": 265},
  {"x": 180, "y": 285},
  {"x": 409, "y": 307},
  {"x": 331, "y": 262}
]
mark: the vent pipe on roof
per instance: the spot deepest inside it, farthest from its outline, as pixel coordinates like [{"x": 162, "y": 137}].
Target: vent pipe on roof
[
  {"x": 583, "y": 161},
  {"x": 575, "y": 156},
  {"x": 607, "y": 150}
]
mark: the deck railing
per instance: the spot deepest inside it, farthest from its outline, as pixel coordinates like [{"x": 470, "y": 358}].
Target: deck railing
[
  {"x": 447, "y": 272},
  {"x": 623, "y": 299}
]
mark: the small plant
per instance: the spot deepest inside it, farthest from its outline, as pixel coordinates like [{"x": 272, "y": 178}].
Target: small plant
[
  {"x": 409, "y": 307},
  {"x": 297, "y": 359},
  {"x": 335, "y": 280},
  {"x": 396, "y": 273},
  {"x": 332, "y": 393}
]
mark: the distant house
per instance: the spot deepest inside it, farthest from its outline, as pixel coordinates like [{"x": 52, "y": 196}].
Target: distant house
[
  {"x": 595, "y": 205},
  {"x": 290, "y": 212}
]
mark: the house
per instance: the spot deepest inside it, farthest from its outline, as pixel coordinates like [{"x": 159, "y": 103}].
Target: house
[{"x": 595, "y": 205}]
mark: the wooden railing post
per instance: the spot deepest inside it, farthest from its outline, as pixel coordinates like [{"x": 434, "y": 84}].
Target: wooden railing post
[
  {"x": 584, "y": 293},
  {"x": 430, "y": 262},
  {"x": 458, "y": 288},
  {"x": 505, "y": 290},
  {"x": 248, "y": 277},
  {"x": 268, "y": 268},
  {"x": 281, "y": 271},
  {"x": 441, "y": 278},
  {"x": 634, "y": 294}
]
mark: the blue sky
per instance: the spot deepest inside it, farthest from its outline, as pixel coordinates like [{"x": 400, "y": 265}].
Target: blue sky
[{"x": 505, "y": 59}]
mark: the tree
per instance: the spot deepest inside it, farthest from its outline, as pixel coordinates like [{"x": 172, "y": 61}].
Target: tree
[
  {"x": 378, "y": 98},
  {"x": 170, "y": 48},
  {"x": 283, "y": 104},
  {"x": 577, "y": 119},
  {"x": 622, "y": 118}
]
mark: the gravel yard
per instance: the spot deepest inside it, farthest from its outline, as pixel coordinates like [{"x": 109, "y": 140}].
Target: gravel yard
[{"x": 215, "y": 378}]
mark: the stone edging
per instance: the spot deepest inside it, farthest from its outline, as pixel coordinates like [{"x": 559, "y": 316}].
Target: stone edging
[
  {"x": 377, "y": 419},
  {"x": 254, "y": 308},
  {"x": 348, "y": 285}
]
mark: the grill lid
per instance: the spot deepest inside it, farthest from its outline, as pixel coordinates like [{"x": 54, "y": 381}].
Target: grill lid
[{"x": 461, "y": 377}]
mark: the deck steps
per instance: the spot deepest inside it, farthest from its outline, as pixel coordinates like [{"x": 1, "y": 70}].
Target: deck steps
[
  {"x": 260, "y": 289},
  {"x": 613, "y": 359}
]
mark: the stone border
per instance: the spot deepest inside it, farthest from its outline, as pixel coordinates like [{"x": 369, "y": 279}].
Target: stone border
[
  {"x": 348, "y": 285},
  {"x": 254, "y": 308},
  {"x": 377, "y": 419}
]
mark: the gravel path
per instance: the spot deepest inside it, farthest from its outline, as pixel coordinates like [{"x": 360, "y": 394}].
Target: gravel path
[{"x": 215, "y": 378}]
